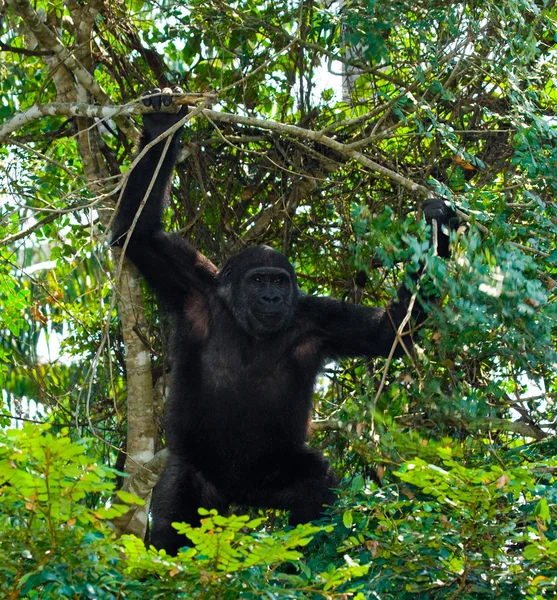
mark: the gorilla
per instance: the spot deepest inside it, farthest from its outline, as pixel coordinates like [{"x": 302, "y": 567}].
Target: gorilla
[{"x": 246, "y": 347}]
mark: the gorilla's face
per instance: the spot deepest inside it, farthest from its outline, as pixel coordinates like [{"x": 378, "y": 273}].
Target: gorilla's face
[
  {"x": 259, "y": 286},
  {"x": 266, "y": 293}
]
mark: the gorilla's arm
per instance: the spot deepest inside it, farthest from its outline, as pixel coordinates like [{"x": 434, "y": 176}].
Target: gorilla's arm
[
  {"x": 170, "y": 264},
  {"x": 350, "y": 330}
]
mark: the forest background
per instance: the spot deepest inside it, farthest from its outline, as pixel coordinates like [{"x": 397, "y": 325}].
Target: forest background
[{"x": 319, "y": 129}]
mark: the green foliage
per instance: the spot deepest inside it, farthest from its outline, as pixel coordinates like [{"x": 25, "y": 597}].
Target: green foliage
[
  {"x": 441, "y": 527},
  {"x": 455, "y": 531},
  {"x": 233, "y": 557},
  {"x": 52, "y": 541}
]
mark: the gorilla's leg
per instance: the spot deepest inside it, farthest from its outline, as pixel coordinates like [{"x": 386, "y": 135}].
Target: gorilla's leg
[
  {"x": 300, "y": 481},
  {"x": 182, "y": 489}
]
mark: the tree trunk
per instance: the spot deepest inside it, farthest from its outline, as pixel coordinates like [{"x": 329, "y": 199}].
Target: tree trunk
[{"x": 72, "y": 73}]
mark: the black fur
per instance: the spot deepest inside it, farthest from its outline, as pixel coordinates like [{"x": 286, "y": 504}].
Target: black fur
[{"x": 247, "y": 346}]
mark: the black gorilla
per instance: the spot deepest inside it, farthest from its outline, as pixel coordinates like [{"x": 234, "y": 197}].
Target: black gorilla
[{"x": 246, "y": 348}]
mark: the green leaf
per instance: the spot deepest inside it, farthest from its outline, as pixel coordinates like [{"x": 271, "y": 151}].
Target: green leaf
[{"x": 347, "y": 519}]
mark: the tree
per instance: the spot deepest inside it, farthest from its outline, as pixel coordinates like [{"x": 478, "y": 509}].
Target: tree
[{"x": 454, "y": 98}]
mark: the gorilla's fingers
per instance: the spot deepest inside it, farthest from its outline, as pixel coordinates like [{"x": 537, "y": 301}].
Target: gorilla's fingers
[
  {"x": 147, "y": 97},
  {"x": 155, "y": 98},
  {"x": 167, "y": 96}
]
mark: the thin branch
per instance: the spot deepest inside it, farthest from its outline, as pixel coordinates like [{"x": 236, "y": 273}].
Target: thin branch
[
  {"x": 25, "y": 51},
  {"x": 136, "y": 108},
  {"x": 80, "y": 109},
  {"x": 317, "y": 136},
  {"x": 10, "y": 239}
]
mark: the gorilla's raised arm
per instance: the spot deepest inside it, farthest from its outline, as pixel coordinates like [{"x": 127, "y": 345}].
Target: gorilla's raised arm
[
  {"x": 168, "y": 263},
  {"x": 351, "y": 330}
]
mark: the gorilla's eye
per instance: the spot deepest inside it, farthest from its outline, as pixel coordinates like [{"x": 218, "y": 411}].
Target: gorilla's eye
[
  {"x": 257, "y": 278},
  {"x": 278, "y": 279}
]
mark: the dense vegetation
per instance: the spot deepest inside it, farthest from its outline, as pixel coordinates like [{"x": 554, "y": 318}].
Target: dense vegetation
[{"x": 320, "y": 129}]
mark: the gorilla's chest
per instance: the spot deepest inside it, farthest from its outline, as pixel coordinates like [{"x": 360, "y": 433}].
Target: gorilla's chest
[
  {"x": 234, "y": 366},
  {"x": 238, "y": 391}
]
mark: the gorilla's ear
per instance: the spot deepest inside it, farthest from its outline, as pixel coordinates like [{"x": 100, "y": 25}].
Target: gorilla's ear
[{"x": 225, "y": 286}]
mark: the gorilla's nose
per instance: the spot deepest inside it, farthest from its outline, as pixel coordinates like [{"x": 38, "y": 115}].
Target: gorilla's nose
[{"x": 271, "y": 299}]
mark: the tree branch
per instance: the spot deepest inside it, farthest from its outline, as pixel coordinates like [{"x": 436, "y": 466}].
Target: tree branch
[
  {"x": 107, "y": 112},
  {"x": 25, "y": 51}
]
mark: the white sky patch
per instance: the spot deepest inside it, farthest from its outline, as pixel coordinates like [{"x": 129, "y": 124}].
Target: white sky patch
[
  {"x": 328, "y": 77},
  {"x": 48, "y": 347},
  {"x": 496, "y": 289}
]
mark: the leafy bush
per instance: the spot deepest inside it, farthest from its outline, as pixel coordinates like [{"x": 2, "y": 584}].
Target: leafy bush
[
  {"x": 445, "y": 530},
  {"x": 52, "y": 539},
  {"x": 232, "y": 557},
  {"x": 55, "y": 541},
  {"x": 452, "y": 531}
]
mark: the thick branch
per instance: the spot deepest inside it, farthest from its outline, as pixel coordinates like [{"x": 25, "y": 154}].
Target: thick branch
[
  {"x": 480, "y": 425},
  {"x": 140, "y": 483},
  {"x": 107, "y": 112}
]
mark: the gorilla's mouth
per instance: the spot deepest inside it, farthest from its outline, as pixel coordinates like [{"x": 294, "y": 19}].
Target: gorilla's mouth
[{"x": 270, "y": 318}]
